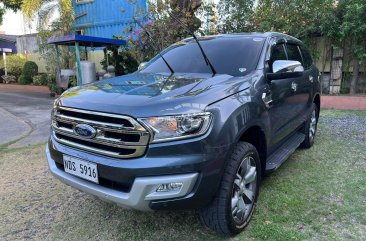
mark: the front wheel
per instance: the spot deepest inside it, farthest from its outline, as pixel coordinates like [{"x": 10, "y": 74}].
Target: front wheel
[
  {"x": 310, "y": 128},
  {"x": 232, "y": 208}
]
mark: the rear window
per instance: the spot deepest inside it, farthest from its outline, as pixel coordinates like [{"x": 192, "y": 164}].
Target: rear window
[{"x": 234, "y": 56}]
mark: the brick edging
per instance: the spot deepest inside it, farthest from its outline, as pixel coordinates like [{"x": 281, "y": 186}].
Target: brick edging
[
  {"x": 343, "y": 102},
  {"x": 26, "y": 88}
]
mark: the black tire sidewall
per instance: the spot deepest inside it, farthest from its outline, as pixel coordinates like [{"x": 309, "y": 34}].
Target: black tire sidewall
[
  {"x": 233, "y": 226},
  {"x": 307, "y": 143}
]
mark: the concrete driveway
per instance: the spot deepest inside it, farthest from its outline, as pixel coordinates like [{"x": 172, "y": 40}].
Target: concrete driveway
[{"x": 24, "y": 118}]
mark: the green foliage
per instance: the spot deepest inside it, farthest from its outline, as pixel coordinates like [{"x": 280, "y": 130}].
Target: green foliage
[
  {"x": 2, "y": 12},
  {"x": 52, "y": 85},
  {"x": 14, "y": 64},
  {"x": 353, "y": 25},
  {"x": 14, "y": 5},
  {"x": 122, "y": 60},
  {"x": 236, "y": 16},
  {"x": 340, "y": 21},
  {"x": 24, "y": 80},
  {"x": 48, "y": 26},
  {"x": 296, "y": 17},
  {"x": 164, "y": 29},
  {"x": 30, "y": 70},
  {"x": 41, "y": 79}
]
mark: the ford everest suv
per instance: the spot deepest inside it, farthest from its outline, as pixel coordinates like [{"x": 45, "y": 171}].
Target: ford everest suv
[{"x": 190, "y": 130}]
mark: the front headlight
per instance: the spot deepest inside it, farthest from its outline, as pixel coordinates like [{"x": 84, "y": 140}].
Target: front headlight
[
  {"x": 167, "y": 128},
  {"x": 56, "y": 104}
]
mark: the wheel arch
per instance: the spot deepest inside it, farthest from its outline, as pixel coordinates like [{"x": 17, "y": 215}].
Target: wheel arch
[
  {"x": 256, "y": 136},
  {"x": 316, "y": 101}
]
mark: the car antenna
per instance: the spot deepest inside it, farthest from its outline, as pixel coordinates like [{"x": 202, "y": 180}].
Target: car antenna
[
  {"x": 208, "y": 62},
  {"x": 148, "y": 34}
]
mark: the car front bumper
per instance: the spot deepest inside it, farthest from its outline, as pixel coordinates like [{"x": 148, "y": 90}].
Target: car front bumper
[{"x": 142, "y": 192}]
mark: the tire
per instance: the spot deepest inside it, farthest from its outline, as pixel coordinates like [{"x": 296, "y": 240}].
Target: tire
[
  {"x": 310, "y": 128},
  {"x": 236, "y": 195}
]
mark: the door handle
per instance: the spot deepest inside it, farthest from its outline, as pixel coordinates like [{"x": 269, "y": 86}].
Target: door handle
[
  {"x": 311, "y": 78},
  {"x": 267, "y": 98},
  {"x": 294, "y": 86}
]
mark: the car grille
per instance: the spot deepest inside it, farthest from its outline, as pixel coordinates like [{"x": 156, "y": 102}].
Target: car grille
[{"x": 116, "y": 135}]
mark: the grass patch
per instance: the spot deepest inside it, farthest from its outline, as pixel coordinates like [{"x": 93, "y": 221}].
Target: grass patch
[
  {"x": 318, "y": 194},
  {"x": 330, "y": 113}
]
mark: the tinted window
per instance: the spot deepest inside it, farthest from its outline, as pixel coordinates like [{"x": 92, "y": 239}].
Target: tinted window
[
  {"x": 308, "y": 61},
  {"x": 293, "y": 53},
  {"x": 278, "y": 53},
  {"x": 235, "y": 56}
]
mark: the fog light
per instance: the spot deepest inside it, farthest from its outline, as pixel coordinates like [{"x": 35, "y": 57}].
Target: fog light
[{"x": 168, "y": 187}]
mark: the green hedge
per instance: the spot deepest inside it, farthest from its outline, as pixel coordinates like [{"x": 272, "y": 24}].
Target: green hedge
[
  {"x": 24, "y": 81},
  {"x": 30, "y": 69},
  {"x": 41, "y": 79}
]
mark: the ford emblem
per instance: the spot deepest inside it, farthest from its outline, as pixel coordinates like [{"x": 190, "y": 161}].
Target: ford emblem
[{"x": 85, "y": 131}]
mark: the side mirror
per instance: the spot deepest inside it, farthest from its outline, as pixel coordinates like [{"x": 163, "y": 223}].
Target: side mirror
[
  {"x": 284, "y": 69},
  {"x": 142, "y": 66}
]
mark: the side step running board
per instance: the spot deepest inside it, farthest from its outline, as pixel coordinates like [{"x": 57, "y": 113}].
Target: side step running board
[{"x": 275, "y": 160}]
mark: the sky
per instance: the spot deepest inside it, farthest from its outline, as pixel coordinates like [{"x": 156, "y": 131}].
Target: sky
[{"x": 14, "y": 24}]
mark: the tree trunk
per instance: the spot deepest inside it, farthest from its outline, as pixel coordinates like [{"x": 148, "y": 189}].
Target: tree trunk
[{"x": 356, "y": 71}]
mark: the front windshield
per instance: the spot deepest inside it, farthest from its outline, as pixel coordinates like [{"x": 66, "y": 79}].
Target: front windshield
[{"x": 234, "y": 56}]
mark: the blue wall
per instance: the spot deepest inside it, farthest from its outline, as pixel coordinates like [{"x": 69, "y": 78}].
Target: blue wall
[
  {"x": 105, "y": 18},
  {"x": 8, "y": 42}
]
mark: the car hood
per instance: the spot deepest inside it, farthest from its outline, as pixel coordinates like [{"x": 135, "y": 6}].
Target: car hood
[{"x": 144, "y": 95}]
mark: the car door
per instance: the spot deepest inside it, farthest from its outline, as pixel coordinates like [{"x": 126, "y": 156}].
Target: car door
[
  {"x": 280, "y": 92},
  {"x": 300, "y": 87}
]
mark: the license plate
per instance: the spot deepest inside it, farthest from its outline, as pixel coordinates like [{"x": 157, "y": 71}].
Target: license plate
[{"x": 80, "y": 168}]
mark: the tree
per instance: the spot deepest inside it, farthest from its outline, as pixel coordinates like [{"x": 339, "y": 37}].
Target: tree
[
  {"x": 164, "y": 29},
  {"x": 236, "y": 16},
  {"x": 14, "y": 5},
  {"x": 49, "y": 26},
  {"x": 352, "y": 14},
  {"x": 45, "y": 10},
  {"x": 299, "y": 18}
]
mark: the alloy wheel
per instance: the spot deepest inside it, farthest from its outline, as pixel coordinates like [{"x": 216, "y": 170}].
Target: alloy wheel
[
  {"x": 244, "y": 189},
  {"x": 312, "y": 127}
]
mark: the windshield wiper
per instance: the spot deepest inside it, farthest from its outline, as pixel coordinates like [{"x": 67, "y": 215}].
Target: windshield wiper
[
  {"x": 148, "y": 34},
  {"x": 207, "y": 60}
]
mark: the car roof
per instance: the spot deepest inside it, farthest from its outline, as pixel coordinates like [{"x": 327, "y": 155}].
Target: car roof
[{"x": 286, "y": 37}]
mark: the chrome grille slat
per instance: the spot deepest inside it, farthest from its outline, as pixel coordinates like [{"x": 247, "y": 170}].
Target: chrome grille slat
[
  {"x": 80, "y": 120},
  {"x": 100, "y": 126},
  {"x": 99, "y": 141},
  {"x": 131, "y": 138},
  {"x": 139, "y": 151},
  {"x": 144, "y": 136}
]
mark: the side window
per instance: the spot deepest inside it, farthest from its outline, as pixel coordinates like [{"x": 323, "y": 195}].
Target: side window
[
  {"x": 277, "y": 53},
  {"x": 308, "y": 61},
  {"x": 293, "y": 53}
]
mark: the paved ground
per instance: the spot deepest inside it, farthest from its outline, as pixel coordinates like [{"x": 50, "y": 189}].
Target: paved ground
[
  {"x": 344, "y": 102},
  {"x": 11, "y": 127},
  {"x": 25, "y": 117}
]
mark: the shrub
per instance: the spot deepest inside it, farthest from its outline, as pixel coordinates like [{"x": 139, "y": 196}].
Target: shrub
[
  {"x": 24, "y": 81},
  {"x": 30, "y": 69},
  {"x": 52, "y": 85},
  {"x": 40, "y": 79},
  {"x": 14, "y": 64}
]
